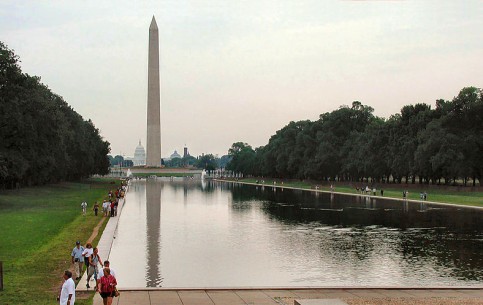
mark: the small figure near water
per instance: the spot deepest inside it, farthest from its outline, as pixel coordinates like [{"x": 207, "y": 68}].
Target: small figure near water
[{"x": 405, "y": 194}]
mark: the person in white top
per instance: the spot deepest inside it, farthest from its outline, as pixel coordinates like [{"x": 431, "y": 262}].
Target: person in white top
[
  {"x": 104, "y": 207},
  {"x": 86, "y": 253},
  {"x": 100, "y": 274},
  {"x": 84, "y": 207},
  {"x": 101, "y": 271},
  {"x": 67, "y": 293}
]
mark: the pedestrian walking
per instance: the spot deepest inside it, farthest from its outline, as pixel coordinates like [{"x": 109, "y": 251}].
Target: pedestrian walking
[
  {"x": 77, "y": 259},
  {"x": 101, "y": 271},
  {"x": 87, "y": 253},
  {"x": 104, "y": 207},
  {"x": 112, "y": 207},
  {"x": 84, "y": 207},
  {"x": 94, "y": 260},
  {"x": 107, "y": 286},
  {"x": 67, "y": 292},
  {"x": 96, "y": 208}
]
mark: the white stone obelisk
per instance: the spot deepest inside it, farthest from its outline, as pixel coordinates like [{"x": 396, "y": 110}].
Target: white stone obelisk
[{"x": 153, "y": 143}]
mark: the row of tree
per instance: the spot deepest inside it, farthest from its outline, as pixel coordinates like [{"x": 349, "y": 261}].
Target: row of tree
[
  {"x": 419, "y": 144},
  {"x": 42, "y": 139},
  {"x": 205, "y": 161}
]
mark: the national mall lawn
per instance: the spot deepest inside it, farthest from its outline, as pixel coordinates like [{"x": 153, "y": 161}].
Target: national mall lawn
[
  {"x": 462, "y": 196},
  {"x": 38, "y": 230}
]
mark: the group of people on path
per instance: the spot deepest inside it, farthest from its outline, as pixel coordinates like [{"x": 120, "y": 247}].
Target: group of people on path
[
  {"x": 88, "y": 256},
  {"x": 109, "y": 206},
  {"x": 368, "y": 191},
  {"x": 105, "y": 277}
]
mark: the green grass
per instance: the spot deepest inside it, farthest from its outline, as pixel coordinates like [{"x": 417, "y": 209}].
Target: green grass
[
  {"x": 437, "y": 195},
  {"x": 39, "y": 227}
]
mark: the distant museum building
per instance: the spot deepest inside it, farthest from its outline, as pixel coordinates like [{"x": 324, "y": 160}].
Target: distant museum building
[
  {"x": 175, "y": 155},
  {"x": 139, "y": 155}
]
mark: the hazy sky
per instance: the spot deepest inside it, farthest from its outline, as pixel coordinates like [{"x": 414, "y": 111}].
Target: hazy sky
[{"x": 241, "y": 70}]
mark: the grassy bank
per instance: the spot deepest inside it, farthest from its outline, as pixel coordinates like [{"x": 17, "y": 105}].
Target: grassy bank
[
  {"x": 39, "y": 227},
  {"x": 393, "y": 191}
]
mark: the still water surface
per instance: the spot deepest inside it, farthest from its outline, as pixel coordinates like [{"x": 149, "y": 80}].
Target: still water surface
[{"x": 183, "y": 233}]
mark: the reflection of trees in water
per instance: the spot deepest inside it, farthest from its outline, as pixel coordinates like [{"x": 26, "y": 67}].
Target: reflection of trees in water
[
  {"x": 187, "y": 184},
  {"x": 303, "y": 206},
  {"x": 458, "y": 253},
  {"x": 449, "y": 237}
]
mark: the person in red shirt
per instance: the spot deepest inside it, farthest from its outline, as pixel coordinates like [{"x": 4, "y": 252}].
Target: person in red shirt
[
  {"x": 112, "y": 208},
  {"x": 107, "y": 287}
]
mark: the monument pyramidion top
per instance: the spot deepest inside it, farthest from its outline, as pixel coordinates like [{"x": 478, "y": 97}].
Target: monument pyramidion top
[{"x": 153, "y": 25}]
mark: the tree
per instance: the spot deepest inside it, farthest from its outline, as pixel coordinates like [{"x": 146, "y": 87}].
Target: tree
[
  {"x": 350, "y": 143},
  {"x": 223, "y": 161},
  {"x": 243, "y": 158},
  {"x": 207, "y": 162},
  {"x": 43, "y": 139}
]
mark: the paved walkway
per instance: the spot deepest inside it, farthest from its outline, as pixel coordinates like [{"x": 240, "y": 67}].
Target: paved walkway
[{"x": 287, "y": 296}]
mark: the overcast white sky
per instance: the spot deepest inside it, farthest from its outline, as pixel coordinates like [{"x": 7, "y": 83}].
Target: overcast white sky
[{"x": 241, "y": 70}]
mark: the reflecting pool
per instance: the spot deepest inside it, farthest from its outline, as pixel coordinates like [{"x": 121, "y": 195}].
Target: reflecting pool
[{"x": 185, "y": 233}]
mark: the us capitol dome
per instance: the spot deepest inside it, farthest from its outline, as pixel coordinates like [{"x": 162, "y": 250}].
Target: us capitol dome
[{"x": 139, "y": 156}]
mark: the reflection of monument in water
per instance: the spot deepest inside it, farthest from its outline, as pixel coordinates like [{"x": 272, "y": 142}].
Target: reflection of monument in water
[{"x": 153, "y": 231}]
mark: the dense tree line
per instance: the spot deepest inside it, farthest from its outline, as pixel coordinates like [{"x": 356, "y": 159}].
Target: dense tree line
[
  {"x": 205, "y": 161},
  {"x": 42, "y": 139},
  {"x": 419, "y": 144}
]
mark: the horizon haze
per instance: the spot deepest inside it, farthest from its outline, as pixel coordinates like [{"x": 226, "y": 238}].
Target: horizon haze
[{"x": 241, "y": 71}]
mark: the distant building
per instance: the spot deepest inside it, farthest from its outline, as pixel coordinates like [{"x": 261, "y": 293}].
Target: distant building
[
  {"x": 185, "y": 153},
  {"x": 175, "y": 155},
  {"x": 139, "y": 155}
]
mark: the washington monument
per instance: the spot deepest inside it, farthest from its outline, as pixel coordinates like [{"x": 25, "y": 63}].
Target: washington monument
[{"x": 153, "y": 143}]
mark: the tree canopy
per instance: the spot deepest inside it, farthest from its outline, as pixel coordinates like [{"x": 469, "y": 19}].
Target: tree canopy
[
  {"x": 351, "y": 144},
  {"x": 42, "y": 139}
]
